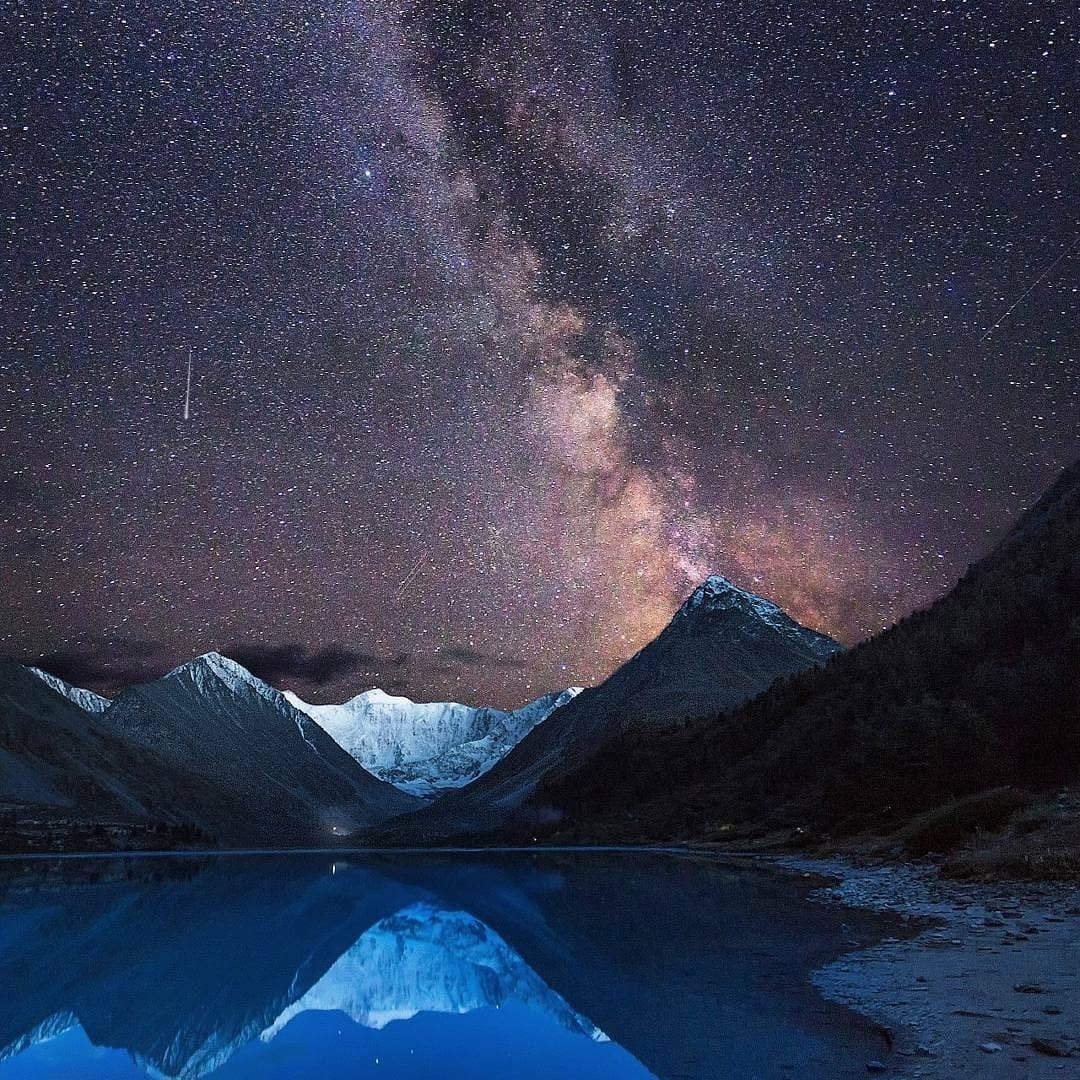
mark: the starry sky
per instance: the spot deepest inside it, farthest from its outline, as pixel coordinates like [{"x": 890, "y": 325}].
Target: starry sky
[{"x": 509, "y": 322}]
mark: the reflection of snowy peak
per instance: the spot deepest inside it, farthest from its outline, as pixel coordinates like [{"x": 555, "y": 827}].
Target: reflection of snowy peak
[
  {"x": 194, "y": 1061},
  {"x": 426, "y": 747},
  {"x": 429, "y": 959},
  {"x": 50, "y": 1028}
]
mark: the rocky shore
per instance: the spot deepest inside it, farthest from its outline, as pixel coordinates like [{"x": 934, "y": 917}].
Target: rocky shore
[{"x": 991, "y": 986}]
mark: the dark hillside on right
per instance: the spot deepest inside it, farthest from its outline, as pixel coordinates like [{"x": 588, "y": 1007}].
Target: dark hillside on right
[{"x": 958, "y": 720}]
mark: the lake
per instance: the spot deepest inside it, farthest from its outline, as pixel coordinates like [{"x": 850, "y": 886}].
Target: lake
[{"x": 503, "y": 964}]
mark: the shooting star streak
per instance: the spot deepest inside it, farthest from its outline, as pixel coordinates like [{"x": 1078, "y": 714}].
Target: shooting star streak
[
  {"x": 187, "y": 394},
  {"x": 409, "y": 577},
  {"x": 1031, "y": 288}
]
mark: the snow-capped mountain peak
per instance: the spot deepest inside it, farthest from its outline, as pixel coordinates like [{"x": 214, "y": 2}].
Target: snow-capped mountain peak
[
  {"x": 296, "y": 702},
  {"x": 377, "y": 694},
  {"x": 85, "y": 699},
  {"x": 717, "y": 595},
  {"x": 426, "y": 747},
  {"x": 217, "y": 664},
  {"x": 723, "y": 646},
  {"x": 211, "y": 672}
]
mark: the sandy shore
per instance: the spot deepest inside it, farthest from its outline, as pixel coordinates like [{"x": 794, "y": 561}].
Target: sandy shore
[{"x": 990, "y": 990}]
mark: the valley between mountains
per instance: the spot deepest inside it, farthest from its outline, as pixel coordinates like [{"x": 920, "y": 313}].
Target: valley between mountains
[{"x": 956, "y": 732}]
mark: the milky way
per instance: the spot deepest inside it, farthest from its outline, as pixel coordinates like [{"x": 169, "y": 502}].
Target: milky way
[{"x": 511, "y": 322}]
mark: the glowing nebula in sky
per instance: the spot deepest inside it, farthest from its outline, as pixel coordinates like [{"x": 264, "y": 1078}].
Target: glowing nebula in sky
[{"x": 509, "y": 323}]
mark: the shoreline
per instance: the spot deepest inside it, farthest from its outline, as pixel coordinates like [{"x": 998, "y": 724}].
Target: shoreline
[
  {"x": 990, "y": 988},
  {"x": 189, "y": 853}
]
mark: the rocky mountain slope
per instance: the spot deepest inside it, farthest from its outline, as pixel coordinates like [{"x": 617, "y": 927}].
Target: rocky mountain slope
[
  {"x": 276, "y": 776},
  {"x": 85, "y": 699},
  {"x": 425, "y": 748},
  {"x": 217, "y": 753},
  {"x": 980, "y": 690},
  {"x": 58, "y": 758},
  {"x": 723, "y": 646}
]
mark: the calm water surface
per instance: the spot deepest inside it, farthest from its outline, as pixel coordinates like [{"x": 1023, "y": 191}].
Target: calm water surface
[{"x": 523, "y": 965}]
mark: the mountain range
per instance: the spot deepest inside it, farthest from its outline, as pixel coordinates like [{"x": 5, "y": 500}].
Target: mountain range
[
  {"x": 944, "y": 724},
  {"x": 208, "y": 746},
  {"x": 723, "y": 646},
  {"x": 56, "y": 755},
  {"x": 424, "y": 748},
  {"x": 215, "y": 749},
  {"x": 734, "y": 717}
]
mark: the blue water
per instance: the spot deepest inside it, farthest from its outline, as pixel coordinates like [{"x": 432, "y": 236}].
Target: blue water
[{"x": 530, "y": 965}]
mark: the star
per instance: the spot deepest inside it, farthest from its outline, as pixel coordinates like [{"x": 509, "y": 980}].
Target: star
[{"x": 512, "y": 323}]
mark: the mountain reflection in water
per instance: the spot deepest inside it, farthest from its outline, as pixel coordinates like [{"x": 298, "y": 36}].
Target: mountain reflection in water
[{"x": 591, "y": 964}]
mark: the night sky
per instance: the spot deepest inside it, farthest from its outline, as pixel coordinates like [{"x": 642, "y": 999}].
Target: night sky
[{"x": 510, "y": 322}]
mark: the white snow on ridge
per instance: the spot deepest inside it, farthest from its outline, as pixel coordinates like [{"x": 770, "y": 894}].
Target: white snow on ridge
[
  {"x": 717, "y": 593},
  {"x": 235, "y": 676},
  {"x": 423, "y": 748},
  {"x": 85, "y": 699}
]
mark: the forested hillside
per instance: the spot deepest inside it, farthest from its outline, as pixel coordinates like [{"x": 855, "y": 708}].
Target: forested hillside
[{"x": 982, "y": 689}]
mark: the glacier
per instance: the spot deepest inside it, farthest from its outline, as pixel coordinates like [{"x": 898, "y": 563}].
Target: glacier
[{"x": 424, "y": 748}]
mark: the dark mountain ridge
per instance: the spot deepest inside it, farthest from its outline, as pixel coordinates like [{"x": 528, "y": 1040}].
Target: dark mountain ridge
[
  {"x": 981, "y": 689},
  {"x": 208, "y": 748},
  {"x": 723, "y": 646},
  {"x": 58, "y": 758},
  {"x": 280, "y": 778},
  {"x": 734, "y": 719}
]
